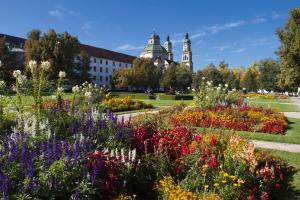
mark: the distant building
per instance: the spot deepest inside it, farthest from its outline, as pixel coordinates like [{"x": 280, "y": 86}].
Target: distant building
[
  {"x": 162, "y": 56},
  {"x": 103, "y": 62}
]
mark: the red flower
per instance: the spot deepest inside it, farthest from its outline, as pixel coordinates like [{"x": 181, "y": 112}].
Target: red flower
[
  {"x": 213, "y": 162},
  {"x": 178, "y": 170},
  {"x": 213, "y": 141},
  {"x": 264, "y": 196},
  {"x": 197, "y": 138},
  {"x": 277, "y": 186}
]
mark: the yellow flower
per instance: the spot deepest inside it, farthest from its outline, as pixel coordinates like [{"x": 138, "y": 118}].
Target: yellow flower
[
  {"x": 225, "y": 174},
  {"x": 233, "y": 177},
  {"x": 224, "y": 181},
  {"x": 206, "y": 186},
  {"x": 216, "y": 184}
]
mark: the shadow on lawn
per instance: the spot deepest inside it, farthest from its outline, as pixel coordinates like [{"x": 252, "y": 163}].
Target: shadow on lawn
[
  {"x": 290, "y": 125},
  {"x": 290, "y": 194}
]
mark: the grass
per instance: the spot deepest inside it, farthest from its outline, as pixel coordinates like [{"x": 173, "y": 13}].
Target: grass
[
  {"x": 292, "y": 135},
  {"x": 282, "y": 105},
  {"x": 292, "y": 159},
  {"x": 159, "y": 103}
]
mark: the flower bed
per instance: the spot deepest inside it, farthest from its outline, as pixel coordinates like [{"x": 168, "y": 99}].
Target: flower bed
[
  {"x": 125, "y": 104},
  {"x": 242, "y": 118}
]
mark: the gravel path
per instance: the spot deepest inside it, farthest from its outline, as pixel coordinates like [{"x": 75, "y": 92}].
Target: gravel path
[{"x": 295, "y": 148}]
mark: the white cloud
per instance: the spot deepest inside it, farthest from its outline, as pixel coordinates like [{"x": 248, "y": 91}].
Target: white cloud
[
  {"x": 258, "y": 20},
  {"x": 56, "y": 13},
  {"x": 276, "y": 15},
  {"x": 86, "y": 27},
  {"x": 128, "y": 47},
  {"x": 222, "y": 48},
  {"x": 239, "y": 50},
  {"x": 211, "y": 59},
  {"x": 60, "y": 13},
  {"x": 197, "y": 35},
  {"x": 217, "y": 28}
]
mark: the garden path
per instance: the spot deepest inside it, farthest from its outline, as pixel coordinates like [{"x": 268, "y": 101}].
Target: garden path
[
  {"x": 296, "y": 101},
  {"x": 295, "y": 148}
]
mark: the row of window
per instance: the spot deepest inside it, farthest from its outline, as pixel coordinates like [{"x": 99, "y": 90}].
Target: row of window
[
  {"x": 106, "y": 62},
  {"x": 101, "y": 79},
  {"x": 101, "y": 69}
]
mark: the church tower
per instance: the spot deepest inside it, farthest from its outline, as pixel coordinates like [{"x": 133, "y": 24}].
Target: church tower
[
  {"x": 168, "y": 47},
  {"x": 187, "y": 52}
]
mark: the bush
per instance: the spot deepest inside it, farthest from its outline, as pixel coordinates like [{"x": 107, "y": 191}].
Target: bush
[
  {"x": 124, "y": 104},
  {"x": 134, "y": 95}
]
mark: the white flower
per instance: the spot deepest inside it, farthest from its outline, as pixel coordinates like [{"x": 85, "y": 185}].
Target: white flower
[
  {"x": 60, "y": 89},
  {"x": 2, "y": 84},
  {"x": 226, "y": 85},
  {"x": 32, "y": 64},
  {"x": 234, "y": 90},
  {"x": 188, "y": 88},
  {"x": 62, "y": 74},
  {"x": 203, "y": 78},
  {"x": 208, "y": 83},
  {"x": 16, "y": 73},
  {"x": 244, "y": 88},
  {"x": 220, "y": 85},
  {"x": 45, "y": 65},
  {"x": 90, "y": 86},
  {"x": 88, "y": 94},
  {"x": 193, "y": 90},
  {"x": 21, "y": 79},
  {"x": 218, "y": 88},
  {"x": 75, "y": 89},
  {"x": 0, "y": 63}
]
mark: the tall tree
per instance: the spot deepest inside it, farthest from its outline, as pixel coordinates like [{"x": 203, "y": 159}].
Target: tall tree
[
  {"x": 183, "y": 77},
  {"x": 32, "y": 47},
  {"x": 269, "y": 70},
  {"x": 83, "y": 68},
  {"x": 7, "y": 62},
  {"x": 289, "y": 51},
  {"x": 211, "y": 73},
  {"x": 169, "y": 81},
  {"x": 224, "y": 72},
  {"x": 250, "y": 78}
]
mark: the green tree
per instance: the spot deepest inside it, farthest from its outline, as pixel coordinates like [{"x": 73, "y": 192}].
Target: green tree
[
  {"x": 269, "y": 71},
  {"x": 32, "y": 47},
  {"x": 7, "y": 62},
  {"x": 197, "y": 79},
  {"x": 211, "y": 73},
  {"x": 59, "y": 49},
  {"x": 183, "y": 77},
  {"x": 83, "y": 68},
  {"x": 224, "y": 72},
  {"x": 250, "y": 78},
  {"x": 145, "y": 74},
  {"x": 169, "y": 81},
  {"x": 289, "y": 51},
  {"x": 122, "y": 78}
]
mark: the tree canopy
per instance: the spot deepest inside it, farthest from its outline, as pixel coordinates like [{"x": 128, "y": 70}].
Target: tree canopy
[{"x": 289, "y": 51}]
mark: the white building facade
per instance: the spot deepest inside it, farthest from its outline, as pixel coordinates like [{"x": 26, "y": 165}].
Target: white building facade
[{"x": 104, "y": 62}]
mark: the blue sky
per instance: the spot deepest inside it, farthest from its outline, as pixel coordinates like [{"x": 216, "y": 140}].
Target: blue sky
[{"x": 237, "y": 31}]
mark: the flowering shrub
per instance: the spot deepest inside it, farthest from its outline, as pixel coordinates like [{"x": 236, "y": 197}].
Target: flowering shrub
[
  {"x": 243, "y": 118},
  {"x": 207, "y": 96},
  {"x": 124, "y": 104}
]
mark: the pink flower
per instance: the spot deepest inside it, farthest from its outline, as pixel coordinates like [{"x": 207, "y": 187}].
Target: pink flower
[{"x": 213, "y": 141}]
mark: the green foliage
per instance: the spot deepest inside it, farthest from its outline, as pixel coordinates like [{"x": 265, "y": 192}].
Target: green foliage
[
  {"x": 250, "y": 79},
  {"x": 289, "y": 51},
  {"x": 177, "y": 78},
  {"x": 83, "y": 68},
  {"x": 269, "y": 70},
  {"x": 58, "y": 49},
  {"x": 7, "y": 63},
  {"x": 144, "y": 74}
]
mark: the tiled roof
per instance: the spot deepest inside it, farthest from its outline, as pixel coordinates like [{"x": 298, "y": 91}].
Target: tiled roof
[
  {"x": 107, "y": 54},
  {"x": 92, "y": 51}
]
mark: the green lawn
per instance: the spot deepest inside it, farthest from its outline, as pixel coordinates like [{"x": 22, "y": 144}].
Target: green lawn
[
  {"x": 158, "y": 103},
  {"x": 292, "y": 135},
  {"x": 282, "y": 105},
  {"x": 294, "y": 160}
]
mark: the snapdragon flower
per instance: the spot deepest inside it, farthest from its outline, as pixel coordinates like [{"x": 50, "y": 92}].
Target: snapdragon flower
[
  {"x": 75, "y": 89},
  {"x": 60, "y": 89},
  {"x": 32, "y": 65},
  {"x": 17, "y": 73},
  {"x": 62, "y": 74},
  {"x": 88, "y": 94},
  {"x": 2, "y": 85},
  {"x": 45, "y": 65}
]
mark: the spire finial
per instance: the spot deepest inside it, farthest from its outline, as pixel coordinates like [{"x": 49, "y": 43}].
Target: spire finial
[
  {"x": 168, "y": 38},
  {"x": 187, "y": 35}
]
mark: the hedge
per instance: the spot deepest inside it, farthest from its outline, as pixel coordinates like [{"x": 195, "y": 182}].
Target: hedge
[
  {"x": 133, "y": 95},
  {"x": 175, "y": 97}
]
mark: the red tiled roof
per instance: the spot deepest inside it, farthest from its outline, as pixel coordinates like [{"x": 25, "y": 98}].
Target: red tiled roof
[
  {"x": 104, "y": 53},
  {"x": 92, "y": 51}
]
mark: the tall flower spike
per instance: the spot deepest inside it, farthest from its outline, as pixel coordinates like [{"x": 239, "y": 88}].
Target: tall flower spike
[
  {"x": 45, "y": 65},
  {"x": 32, "y": 65}
]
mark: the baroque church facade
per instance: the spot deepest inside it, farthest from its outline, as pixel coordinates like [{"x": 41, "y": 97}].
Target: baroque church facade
[{"x": 162, "y": 56}]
